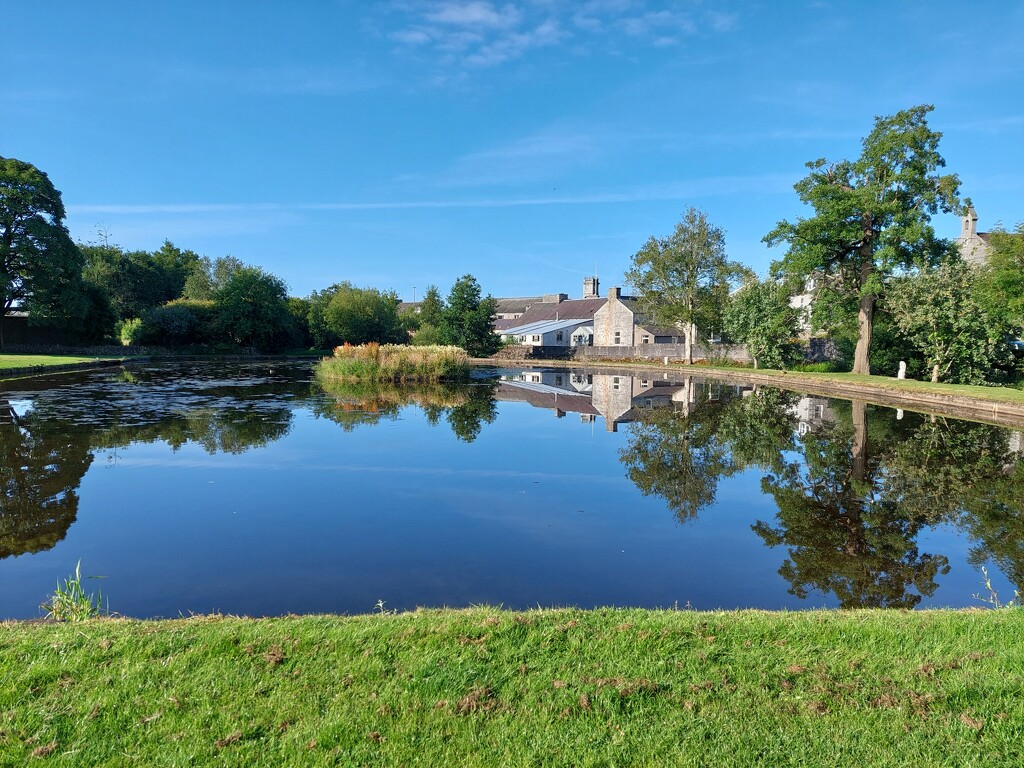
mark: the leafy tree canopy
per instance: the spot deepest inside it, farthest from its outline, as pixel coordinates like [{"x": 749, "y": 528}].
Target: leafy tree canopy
[
  {"x": 871, "y": 215},
  {"x": 466, "y": 320},
  {"x": 937, "y": 311},
  {"x": 40, "y": 267},
  {"x": 683, "y": 280},
  {"x": 252, "y": 309},
  {"x": 759, "y": 315}
]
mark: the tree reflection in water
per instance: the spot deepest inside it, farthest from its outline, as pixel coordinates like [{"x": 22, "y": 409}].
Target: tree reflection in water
[
  {"x": 853, "y": 493},
  {"x": 466, "y": 407},
  {"x": 42, "y": 463}
]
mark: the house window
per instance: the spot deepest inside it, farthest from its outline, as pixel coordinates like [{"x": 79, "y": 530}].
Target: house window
[
  {"x": 536, "y": 338},
  {"x": 618, "y": 337},
  {"x": 558, "y": 381},
  {"x": 558, "y": 336},
  {"x": 615, "y": 382},
  {"x": 522, "y": 338},
  {"x": 645, "y": 340},
  {"x": 644, "y": 383}
]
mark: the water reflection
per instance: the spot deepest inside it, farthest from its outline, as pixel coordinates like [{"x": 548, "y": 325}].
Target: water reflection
[
  {"x": 42, "y": 463},
  {"x": 854, "y": 486},
  {"x": 465, "y": 407},
  {"x": 853, "y": 492}
]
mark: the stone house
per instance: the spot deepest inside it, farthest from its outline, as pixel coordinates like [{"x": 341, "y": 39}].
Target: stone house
[
  {"x": 973, "y": 244},
  {"x": 620, "y": 323}
]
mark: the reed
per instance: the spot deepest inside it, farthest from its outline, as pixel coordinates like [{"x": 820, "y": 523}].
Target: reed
[{"x": 394, "y": 363}]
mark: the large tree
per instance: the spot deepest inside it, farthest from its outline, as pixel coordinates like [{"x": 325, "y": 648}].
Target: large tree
[
  {"x": 871, "y": 215},
  {"x": 40, "y": 266},
  {"x": 252, "y": 309},
  {"x": 683, "y": 280},
  {"x": 467, "y": 319}
]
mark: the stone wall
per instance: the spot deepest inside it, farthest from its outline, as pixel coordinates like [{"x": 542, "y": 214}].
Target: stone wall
[{"x": 674, "y": 352}]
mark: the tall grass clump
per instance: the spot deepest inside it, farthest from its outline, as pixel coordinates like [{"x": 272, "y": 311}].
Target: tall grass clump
[
  {"x": 69, "y": 601},
  {"x": 394, "y": 363}
]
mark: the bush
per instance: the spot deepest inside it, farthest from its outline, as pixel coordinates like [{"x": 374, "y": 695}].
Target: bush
[
  {"x": 394, "y": 362},
  {"x": 131, "y": 332}
]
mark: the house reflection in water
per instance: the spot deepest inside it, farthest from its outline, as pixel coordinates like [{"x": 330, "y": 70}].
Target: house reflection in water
[{"x": 617, "y": 398}]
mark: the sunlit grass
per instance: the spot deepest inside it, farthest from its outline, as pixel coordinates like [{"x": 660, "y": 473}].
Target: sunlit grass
[
  {"x": 487, "y": 687},
  {"x": 394, "y": 363},
  {"x": 32, "y": 361}
]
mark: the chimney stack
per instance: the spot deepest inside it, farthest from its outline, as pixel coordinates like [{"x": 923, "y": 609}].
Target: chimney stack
[{"x": 613, "y": 294}]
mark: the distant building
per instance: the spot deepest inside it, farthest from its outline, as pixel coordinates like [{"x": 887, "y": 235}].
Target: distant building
[
  {"x": 554, "y": 320},
  {"x": 619, "y": 322},
  {"x": 973, "y": 244}
]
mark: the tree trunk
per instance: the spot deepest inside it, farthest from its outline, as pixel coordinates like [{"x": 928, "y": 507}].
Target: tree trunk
[
  {"x": 935, "y": 374},
  {"x": 690, "y": 339},
  {"x": 861, "y": 356},
  {"x": 859, "y": 448}
]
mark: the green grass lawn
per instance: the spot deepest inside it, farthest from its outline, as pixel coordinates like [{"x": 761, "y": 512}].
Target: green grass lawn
[
  {"x": 29, "y": 361},
  {"x": 547, "y": 687}
]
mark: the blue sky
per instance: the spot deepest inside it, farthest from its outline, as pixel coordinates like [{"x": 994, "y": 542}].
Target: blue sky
[{"x": 529, "y": 142}]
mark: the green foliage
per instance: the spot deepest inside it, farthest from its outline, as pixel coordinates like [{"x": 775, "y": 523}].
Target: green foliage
[
  {"x": 138, "y": 280},
  {"x": 759, "y": 315},
  {"x": 871, "y": 216},
  {"x": 684, "y": 279},
  {"x": 1000, "y": 283},
  {"x": 677, "y": 456},
  {"x": 205, "y": 278},
  {"x": 432, "y": 307},
  {"x": 427, "y": 336},
  {"x": 831, "y": 366},
  {"x": 299, "y": 311},
  {"x": 937, "y": 311},
  {"x": 178, "y": 323},
  {"x": 344, "y": 314},
  {"x": 40, "y": 267},
  {"x": 131, "y": 332},
  {"x": 70, "y": 602},
  {"x": 100, "y": 319},
  {"x": 394, "y": 362},
  {"x": 252, "y": 309},
  {"x": 466, "y": 319}
]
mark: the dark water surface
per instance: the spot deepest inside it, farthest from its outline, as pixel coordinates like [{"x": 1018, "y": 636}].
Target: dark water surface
[{"x": 246, "y": 488}]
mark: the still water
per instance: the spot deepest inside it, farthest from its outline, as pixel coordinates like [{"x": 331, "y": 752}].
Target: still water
[{"x": 246, "y": 488}]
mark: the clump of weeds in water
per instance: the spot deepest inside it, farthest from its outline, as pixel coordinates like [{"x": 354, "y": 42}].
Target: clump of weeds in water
[
  {"x": 70, "y": 602},
  {"x": 992, "y": 598}
]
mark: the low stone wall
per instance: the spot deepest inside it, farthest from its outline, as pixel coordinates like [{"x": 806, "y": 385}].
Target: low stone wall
[{"x": 674, "y": 352}]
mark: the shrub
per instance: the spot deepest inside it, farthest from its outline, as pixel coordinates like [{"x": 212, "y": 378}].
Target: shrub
[{"x": 394, "y": 362}]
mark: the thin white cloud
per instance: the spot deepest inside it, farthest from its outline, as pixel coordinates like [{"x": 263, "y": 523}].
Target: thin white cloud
[
  {"x": 477, "y": 34},
  {"x": 773, "y": 183},
  {"x": 474, "y": 14}
]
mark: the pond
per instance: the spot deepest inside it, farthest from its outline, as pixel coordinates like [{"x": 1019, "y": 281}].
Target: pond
[{"x": 246, "y": 488}]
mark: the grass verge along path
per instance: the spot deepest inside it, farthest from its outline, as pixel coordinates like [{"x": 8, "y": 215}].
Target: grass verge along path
[
  {"x": 8, "y": 361},
  {"x": 547, "y": 687}
]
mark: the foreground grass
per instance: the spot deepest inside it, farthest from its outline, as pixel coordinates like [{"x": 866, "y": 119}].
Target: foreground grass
[
  {"x": 8, "y": 361},
  {"x": 394, "y": 363},
  {"x": 489, "y": 687}
]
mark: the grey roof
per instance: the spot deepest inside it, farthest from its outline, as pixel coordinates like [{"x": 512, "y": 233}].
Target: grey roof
[
  {"x": 543, "y": 326},
  {"x": 515, "y": 304},
  {"x": 571, "y": 309},
  {"x": 546, "y": 397}
]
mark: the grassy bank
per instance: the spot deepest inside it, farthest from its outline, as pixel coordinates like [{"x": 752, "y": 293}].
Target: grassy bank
[
  {"x": 489, "y": 687},
  {"x": 8, "y": 362},
  {"x": 394, "y": 363}
]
